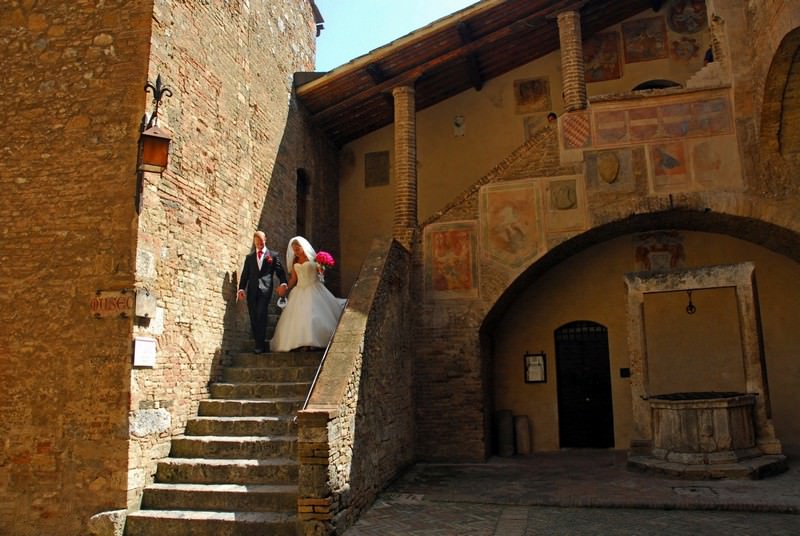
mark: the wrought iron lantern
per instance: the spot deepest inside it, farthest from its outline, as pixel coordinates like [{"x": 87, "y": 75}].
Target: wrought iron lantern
[{"x": 154, "y": 141}]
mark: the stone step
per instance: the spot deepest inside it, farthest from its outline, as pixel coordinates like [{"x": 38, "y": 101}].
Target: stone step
[
  {"x": 200, "y": 523},
  {"x": 234, "y": 447},
  {"x": 221, "y": 497},
  {"x": 268, "y": 374},
  {"x": 241, "y": 426},
  {"x": 259, "y": 390},
  {"x": 277, "y": 359},
  {"x": 250, "y": 408},
  {"x": 218, "y": 471}
]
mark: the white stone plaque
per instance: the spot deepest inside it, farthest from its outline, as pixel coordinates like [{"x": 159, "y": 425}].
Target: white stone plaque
[{"x": 144, "y": 352}]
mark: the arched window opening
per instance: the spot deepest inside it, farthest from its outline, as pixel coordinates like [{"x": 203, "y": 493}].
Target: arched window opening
[
  {"x": 303, "y": 189},
  {"x": 790, "y": 110},
  {"x": 656, "y": 84}
]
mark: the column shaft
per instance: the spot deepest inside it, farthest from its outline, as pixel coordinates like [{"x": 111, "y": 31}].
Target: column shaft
[
  {"x": 572, "y": 69},
  {"x": 405, "y": 164}
]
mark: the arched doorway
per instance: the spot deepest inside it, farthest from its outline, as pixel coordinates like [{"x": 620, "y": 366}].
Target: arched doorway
[{"x": 585, "y": 411}]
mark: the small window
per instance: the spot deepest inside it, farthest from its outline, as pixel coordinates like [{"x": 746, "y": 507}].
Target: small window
[{"x": 376, "y": 169}]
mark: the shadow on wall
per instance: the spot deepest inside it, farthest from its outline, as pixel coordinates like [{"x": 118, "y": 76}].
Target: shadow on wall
[
  {"x": 234, "y": 327},
  {"x": 305, "y": 156},
  {"x": 302, "y": 151}
]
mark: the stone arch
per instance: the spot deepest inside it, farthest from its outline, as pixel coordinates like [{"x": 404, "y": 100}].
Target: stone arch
[
  {"x": 780, "y": 117},
  {"x": 456, "y": 336},
  {"x": 779, "y": 239}
]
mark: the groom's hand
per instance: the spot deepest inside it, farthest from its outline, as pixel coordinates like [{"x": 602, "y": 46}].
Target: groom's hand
[
  {"x": 239, "y": 295},
  {"x": 282, "y": 290}
]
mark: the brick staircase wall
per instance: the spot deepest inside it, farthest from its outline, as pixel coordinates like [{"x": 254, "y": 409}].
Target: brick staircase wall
[{"x": 357, "y": 432}]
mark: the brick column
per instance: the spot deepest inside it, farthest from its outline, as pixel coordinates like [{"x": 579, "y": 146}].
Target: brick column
[
  {"x": 572, "y": 70},
  {"x": 405, "y": 165},
  {"x": 315, "y": 504}
]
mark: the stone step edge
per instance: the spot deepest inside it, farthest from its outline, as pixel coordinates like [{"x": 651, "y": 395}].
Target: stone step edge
[
  {"x": 238, "y": 462},
  {"x": 252, "y": 363},
  {"x": 243, "y": 418},
  {"x": 204, "y": 515},
  {"x": 224, "y": 488},
  {"x": 316, "y": 353},
  {"x": 252, "y": 400},
  {"x": 235, "y": 439},
  {"x": 249, "y": 384}
]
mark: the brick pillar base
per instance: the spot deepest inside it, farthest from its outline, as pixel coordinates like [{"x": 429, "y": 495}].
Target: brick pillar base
[{"x": 314, "y": 510}]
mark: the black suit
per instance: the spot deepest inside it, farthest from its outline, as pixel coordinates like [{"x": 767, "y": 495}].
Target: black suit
[{"x": 258, "y": 284}]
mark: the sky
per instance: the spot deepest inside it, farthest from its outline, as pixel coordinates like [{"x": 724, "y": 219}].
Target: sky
[{"x": 355, "y": 27}]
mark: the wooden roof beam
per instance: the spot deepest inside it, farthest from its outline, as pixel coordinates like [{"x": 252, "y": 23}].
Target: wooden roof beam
[
  {"x": 411, "y": 75},
  {"x": 473, "y": 65},
  {"x": 376, "y": 73}
]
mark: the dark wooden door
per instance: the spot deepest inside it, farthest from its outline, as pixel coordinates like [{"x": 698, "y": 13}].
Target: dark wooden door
[{"x": 585, "y": 413}]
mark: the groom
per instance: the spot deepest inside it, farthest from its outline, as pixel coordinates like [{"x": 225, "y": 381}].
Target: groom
[{"x": 256, "y": 279}]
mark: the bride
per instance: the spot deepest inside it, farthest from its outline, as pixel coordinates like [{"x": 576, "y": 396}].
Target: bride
[{"x": 312, "y": 312}]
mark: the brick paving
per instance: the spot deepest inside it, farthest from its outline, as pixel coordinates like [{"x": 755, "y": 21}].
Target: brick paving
[{"x": 578, "y": 493}]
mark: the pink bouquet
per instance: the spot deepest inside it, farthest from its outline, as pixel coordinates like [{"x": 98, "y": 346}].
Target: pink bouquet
[{"x": 324, "y": 261}]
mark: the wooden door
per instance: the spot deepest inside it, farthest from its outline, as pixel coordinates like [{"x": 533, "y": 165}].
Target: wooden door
[{"x": 585, "y": 412}]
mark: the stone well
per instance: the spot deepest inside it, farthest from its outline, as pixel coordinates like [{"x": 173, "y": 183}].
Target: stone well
[
  {"x": 698, "y": 428},
  {"x": 702, "y": 435},
  {"x": 706, "y": 435}
]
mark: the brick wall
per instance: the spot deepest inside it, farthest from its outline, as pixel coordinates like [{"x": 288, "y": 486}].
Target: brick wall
[
  {"x": 357, "y": 433},
  {"x": 239, "y": 138},
  {"x": 78, "y": 417},
  {"x": 72, "y": 99}
]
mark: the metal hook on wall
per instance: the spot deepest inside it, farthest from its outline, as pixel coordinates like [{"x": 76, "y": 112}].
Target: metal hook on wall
[{"x": 690, "y": 309}]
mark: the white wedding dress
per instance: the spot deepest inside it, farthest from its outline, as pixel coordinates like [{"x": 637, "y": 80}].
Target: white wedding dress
[{"x": 310, "y": 315}]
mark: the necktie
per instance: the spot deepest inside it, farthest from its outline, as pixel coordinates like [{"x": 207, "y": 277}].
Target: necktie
[{"x": 260, "y": 254}]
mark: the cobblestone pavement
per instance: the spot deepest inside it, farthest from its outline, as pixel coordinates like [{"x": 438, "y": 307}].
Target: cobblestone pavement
[{"x": 578, "y": 493}]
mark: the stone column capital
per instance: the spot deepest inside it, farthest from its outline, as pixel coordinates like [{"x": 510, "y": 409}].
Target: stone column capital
[
  {"x": 405, "y": 89},
  {"x": 574, "y": 7}
]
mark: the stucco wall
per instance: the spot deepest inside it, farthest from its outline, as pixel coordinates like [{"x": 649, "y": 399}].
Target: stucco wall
[
  {"x": 686, "y": 352},
  {"x": 493, "y": 127}
]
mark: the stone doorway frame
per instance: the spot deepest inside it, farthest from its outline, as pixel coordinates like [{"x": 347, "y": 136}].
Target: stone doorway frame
[{"x": 741, "y": 277}]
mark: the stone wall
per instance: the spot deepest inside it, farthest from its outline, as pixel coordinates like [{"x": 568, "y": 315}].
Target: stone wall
[
  {"x": 72, "y": 100},
  {"x": 239, "y": 138},
  {"x": 357, "y": 432}
]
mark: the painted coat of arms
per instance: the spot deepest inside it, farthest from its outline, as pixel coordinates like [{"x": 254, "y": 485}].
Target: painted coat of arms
[{"x": 510, "y": 221}]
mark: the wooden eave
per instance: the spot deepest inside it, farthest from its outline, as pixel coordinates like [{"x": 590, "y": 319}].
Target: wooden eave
[{"x": 454, "y": 54}]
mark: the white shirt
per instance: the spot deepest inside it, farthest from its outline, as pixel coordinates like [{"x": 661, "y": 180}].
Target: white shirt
[{"x": 263, "y": 256}]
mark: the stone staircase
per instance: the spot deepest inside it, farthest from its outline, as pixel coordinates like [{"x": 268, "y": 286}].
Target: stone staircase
[
  {"x": 711, "y": 75},
  {"x": 234, "y": 471}
]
